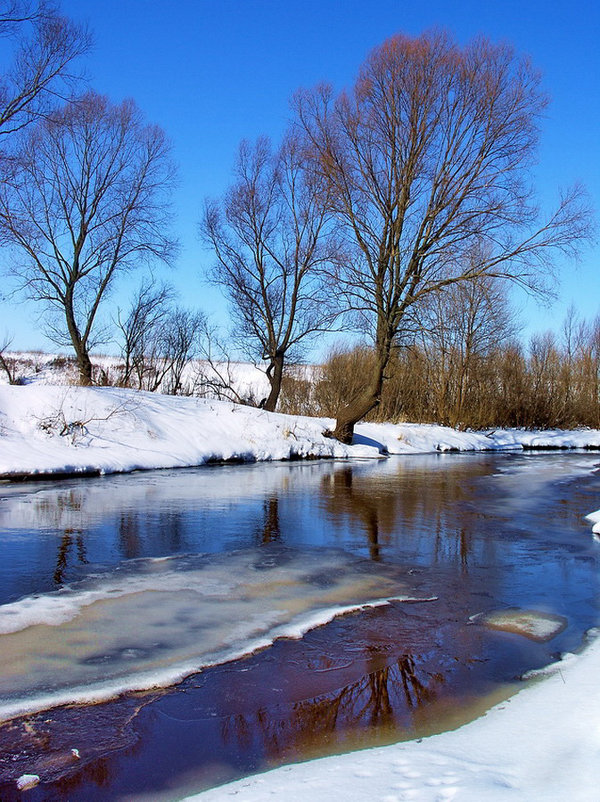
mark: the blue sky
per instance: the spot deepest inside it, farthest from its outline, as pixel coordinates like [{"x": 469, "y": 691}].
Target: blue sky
[{"x": 212, "y": 72}]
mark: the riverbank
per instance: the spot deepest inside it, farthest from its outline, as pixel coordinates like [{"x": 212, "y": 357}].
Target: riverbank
[
  {"x": 52, "y": 431},
  {"x": 543, "y": 743}
]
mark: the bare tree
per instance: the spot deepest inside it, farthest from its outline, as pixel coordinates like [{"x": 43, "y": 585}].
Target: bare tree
[
  {"x": 8, "y": 364},
  {"x": 216, "y": 375},
  {"x": 424, "y": 159},
  {"x": 270, "y": 238},
  {"x": 147, "y": 314},
  {"x": 39, "y": 70},
  {"x": 180, "y": 346},
  {"x": 459, "y": 327},
  {"x": 159, "y": 340},
  {"x": 42, "y": 69},
  {"x": 90, "y": 200}
]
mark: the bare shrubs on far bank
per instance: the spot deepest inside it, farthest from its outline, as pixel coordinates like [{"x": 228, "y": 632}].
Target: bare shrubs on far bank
[{"x": 550, "y": 384}]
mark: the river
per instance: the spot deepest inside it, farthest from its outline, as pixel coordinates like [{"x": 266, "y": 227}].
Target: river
[{"x": 167, "y": 631}]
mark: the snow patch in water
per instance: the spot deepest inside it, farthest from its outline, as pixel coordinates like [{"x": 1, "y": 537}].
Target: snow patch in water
[{"x": 594, "y": 519}]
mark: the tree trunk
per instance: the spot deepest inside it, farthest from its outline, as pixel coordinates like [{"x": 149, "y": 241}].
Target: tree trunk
[
  {"x": 365, "y": 402},
  {"x": 84, "y": 366},
  {"x": 9, "y": 369},
  {"x": 275, "y": 375},
  {"x": 78, "y": 342}
]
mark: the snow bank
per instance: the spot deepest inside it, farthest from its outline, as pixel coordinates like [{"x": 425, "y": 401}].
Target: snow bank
[
  {"x": 543, "y": 743},
  {"x": 46, "y": 429}
]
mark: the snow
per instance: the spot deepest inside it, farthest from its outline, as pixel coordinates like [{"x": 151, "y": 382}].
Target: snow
[
  {"x": 27, "y": 781},
  {"x": 246, "y": 380},
  {"x": 54, "y": 429},
  {"x": 594, "y": 517},
  {"x": 543, "y": 743}
]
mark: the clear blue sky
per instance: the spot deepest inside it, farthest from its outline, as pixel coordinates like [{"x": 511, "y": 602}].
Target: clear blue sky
[{"x": 212, "y": 72}]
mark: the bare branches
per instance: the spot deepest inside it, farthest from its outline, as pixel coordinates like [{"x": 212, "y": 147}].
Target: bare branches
[
  {"x": 139, "y": 329},
  {"x": 8, "y": 364},
  {"x": 216, "y": 378},
  {"x": 159, "y": 340},
  {"x": 42, "y": 71},
  {"x": 272, "y": 242}
]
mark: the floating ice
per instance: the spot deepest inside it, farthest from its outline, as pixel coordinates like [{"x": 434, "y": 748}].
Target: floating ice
[
  {"x": 153, "y": 622},
  {"x": 27, "y": 781},
  {"x": 532, "y": 624}
]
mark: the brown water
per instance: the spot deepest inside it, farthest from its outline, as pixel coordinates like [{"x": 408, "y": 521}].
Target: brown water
[{"x": 200, "y": 555}]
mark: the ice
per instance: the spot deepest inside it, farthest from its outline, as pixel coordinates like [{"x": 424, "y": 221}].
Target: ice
[
  {"x": 533, "y": 624},
  {"x": 153, "y": 622},
  {"x": 594, "y": 518}
]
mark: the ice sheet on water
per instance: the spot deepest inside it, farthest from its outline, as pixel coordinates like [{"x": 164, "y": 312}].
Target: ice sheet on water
[
  {"x": 151, "y": 622},
  {"x": 594, "y": 519},
  {"x": 533, "y": 624}
]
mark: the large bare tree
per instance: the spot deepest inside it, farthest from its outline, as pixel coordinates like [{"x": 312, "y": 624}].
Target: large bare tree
[
  {"x": 271, "y": 242},
  {"x": 427, "y": 162},
  {"x": 90, "y": 199}
]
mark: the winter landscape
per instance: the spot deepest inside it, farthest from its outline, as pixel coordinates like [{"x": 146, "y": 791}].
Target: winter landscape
[
  {"x": 299, "y": 401},
  {"x": 541, "y": 742}
]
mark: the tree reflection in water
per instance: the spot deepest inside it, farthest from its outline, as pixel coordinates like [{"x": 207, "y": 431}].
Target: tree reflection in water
[
  {"x": 64, "y": 549},
  {"x": 270, "y": 531},
  {"x": 383, "y": 699},
  {"x": 431, "y": 511}
]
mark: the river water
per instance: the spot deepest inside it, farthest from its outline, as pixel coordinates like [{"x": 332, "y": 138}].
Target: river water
[{"x": 227, "y": 619}]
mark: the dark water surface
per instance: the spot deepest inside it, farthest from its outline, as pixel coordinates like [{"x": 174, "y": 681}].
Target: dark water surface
[{"x": 111, "y": 586}]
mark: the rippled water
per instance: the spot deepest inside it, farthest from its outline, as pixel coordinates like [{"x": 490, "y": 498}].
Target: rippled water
[{"x": 299, "y": 609}]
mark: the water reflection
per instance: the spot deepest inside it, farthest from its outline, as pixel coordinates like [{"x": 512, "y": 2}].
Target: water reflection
[
  {"x": 345, "y": 496},
  {"x": 432, "y": 509},
  {"x": 436, "y": 511},
  {"x": 71, "y": 537},
  {"x": 382, "y": 697},
  {"x": 270, "y": 532}
]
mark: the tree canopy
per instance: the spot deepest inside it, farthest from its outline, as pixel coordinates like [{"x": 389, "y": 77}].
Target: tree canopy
[{"x": 427, "y": 166}]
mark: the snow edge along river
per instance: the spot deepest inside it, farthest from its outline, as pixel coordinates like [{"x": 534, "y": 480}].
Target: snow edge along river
[{"x": 55, "y": 431}]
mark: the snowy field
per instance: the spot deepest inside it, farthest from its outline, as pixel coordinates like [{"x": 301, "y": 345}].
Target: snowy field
[
  {"x": 57, "y": 429},
  {"x": 542, "y": 744}
]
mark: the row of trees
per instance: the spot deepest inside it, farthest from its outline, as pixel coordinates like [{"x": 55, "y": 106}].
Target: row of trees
[
  {"x": 468, "y": 378},
  {"x": 381, "y": 202},
  {"x": 418, "y": 182}
]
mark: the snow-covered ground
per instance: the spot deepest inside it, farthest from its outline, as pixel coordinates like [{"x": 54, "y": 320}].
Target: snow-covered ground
[
  {"x": 543, "y": 744},
  {"x": 46, "y": 429},
  {"x": 217, "y": 379}
]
